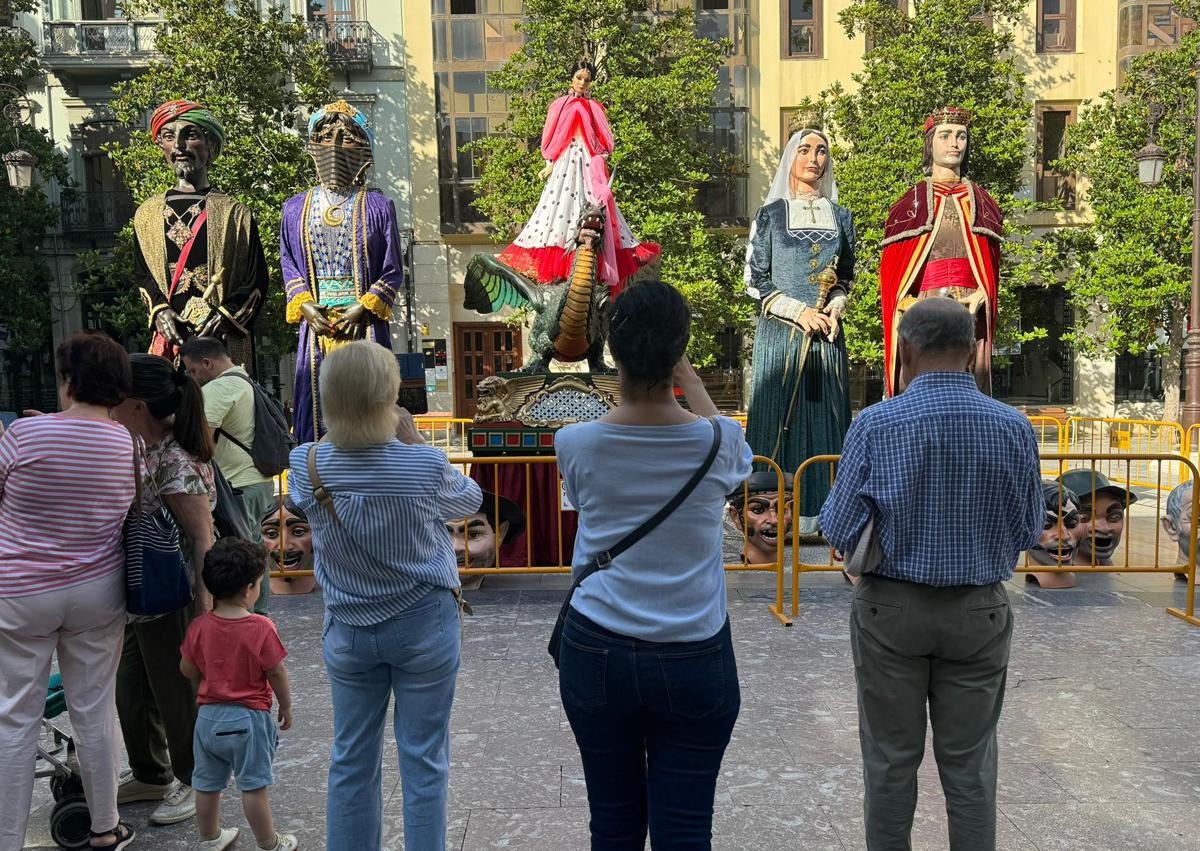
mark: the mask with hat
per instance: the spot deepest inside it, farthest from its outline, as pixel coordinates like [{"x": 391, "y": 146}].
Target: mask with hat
[
  {"x": 1102, "y": 507},
  {"x": 475, "y": 537}
]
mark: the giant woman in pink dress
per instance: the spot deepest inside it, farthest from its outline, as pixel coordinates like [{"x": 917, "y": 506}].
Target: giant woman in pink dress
[{"x": 576, "y": 143}]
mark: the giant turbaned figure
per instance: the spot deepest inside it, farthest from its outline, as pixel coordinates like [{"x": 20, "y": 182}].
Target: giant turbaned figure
[{"x": 198, "y": 259}]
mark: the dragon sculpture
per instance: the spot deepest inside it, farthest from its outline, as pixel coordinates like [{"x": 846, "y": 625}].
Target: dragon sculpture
[{"x": 572, "y": 316}]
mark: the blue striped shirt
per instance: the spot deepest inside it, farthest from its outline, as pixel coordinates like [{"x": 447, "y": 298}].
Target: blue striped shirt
[
  {"x": 951, "y": 478},
  {"x": 391, "y": 546}
]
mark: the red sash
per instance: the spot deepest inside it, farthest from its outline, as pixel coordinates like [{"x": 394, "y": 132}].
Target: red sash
[{"x": 159, "y": 345}]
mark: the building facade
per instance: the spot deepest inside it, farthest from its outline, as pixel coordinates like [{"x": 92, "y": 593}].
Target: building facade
[{"x": 421, "y": 71}]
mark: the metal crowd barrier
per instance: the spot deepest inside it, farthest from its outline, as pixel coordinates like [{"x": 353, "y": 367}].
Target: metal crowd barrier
[
  {"x": 560, "y": 563},
  {"x": 1051, "y": 435},
  {"x": 1117, "y": 438},
  {"x": 448, "y": 434},
  {"x": 1144, "y": 546}
]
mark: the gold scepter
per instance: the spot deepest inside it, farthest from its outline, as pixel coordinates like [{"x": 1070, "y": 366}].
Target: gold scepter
[{"x": 826, "y": 280}]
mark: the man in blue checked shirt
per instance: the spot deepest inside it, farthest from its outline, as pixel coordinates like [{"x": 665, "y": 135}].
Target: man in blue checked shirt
[{"x": 950, "y": 479}]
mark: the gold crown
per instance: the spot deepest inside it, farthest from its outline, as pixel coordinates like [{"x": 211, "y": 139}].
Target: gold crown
[
  {"x": 340, "y": 106},
  {"x": 948, "y": 115},
  {"x": 802, "y": 119}
]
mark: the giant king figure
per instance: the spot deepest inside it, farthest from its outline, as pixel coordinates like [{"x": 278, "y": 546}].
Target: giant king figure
[{"x": 942, "y": 239}]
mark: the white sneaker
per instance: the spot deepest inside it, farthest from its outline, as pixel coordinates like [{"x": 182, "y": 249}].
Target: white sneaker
[
  {"x": 225, "y": 839},
  {"x": 283, "y": 842},
  {"x": 131, "y": 789},
  {"x": 179, "y": 804}
]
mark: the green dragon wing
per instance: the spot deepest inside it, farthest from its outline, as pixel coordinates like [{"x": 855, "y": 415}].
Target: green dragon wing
[{"x": 490, "y": 286}]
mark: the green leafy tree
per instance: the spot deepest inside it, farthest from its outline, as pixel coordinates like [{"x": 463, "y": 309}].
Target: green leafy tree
[
  {"x": 256, "y": 72},
  {"x": 1132, "y": 266},
  {"x": 943, "y": 53},
  {"x": 25, "y": 217},
  {"x": 657, "y": 80}
]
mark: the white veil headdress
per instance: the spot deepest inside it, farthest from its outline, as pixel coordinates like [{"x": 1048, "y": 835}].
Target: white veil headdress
[{"x": 781, "y": 188}]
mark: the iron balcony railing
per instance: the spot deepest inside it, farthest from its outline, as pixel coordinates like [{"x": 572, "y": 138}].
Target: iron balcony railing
[
  {"x": 98, "y": 39},
  {"x": 348, "y": 44},
  {"x": 97, "y": 212}
]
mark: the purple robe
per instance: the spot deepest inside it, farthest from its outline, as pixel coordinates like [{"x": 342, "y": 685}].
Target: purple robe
[{"x": 378, "y": 272}]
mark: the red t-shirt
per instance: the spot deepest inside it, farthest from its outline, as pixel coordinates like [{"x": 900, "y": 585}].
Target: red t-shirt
[{"x": 233, "y": 656}]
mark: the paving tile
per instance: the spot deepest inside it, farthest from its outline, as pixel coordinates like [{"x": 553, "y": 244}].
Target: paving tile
[
  {"x": 1108, "y": 827},
  {"x": 554, "y": 828},
  {"x": 1096, "y": 746},
  {"x": 750, "y": 828},
  {"x": 1130, "y": 783}
]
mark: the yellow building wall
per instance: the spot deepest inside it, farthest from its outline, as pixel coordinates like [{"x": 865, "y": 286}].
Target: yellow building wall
[
  {"x": 780, "y": 83},
  {"x": 776, "y": 84}
]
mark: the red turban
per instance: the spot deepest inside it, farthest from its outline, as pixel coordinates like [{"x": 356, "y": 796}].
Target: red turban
[{"x": 195, "y": 113}]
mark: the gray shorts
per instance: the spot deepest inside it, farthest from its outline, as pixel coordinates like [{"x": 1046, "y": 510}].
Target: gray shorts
[{"x": 231, "y": 739}]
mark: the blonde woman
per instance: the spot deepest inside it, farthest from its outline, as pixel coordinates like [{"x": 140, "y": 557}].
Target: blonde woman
[{"x": 387, "y": 567}]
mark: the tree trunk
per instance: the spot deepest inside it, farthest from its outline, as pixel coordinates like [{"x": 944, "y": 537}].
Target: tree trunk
[{"x": 1173, "y": 366}]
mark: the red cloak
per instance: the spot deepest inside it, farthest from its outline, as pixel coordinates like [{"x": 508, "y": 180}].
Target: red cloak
[{"x": 906, "y": 241}]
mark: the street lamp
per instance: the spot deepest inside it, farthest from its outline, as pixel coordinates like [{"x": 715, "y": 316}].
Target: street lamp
[
  {"x": 19, "y": 164},
  {"x": 1191, "y": 358},
  {"x": 1152, "y": 158}
]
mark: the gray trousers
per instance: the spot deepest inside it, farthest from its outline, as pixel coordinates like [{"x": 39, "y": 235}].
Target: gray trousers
[{"x": 916, "y": 645}]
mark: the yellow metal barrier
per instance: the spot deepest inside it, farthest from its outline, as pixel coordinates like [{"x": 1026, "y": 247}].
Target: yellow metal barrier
[
  {"x": 562, "y": 564},
  {"x": 1051, "y": 434},
  {"x": 1144, "y": 545},
  {"x": 448, "y": 434},
  {"x": 1142, "y": 441}
]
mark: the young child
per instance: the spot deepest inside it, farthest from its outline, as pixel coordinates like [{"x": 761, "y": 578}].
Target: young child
[{"x": 238, "y": 659}]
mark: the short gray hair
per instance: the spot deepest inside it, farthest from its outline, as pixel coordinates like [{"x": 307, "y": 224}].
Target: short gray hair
[{"x": 935, "y": 325}]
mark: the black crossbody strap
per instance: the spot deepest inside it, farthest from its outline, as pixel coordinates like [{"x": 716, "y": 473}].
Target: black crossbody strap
[{"x": 605, "y": 558}]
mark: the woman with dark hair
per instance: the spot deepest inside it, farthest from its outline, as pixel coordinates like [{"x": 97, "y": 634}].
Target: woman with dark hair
[
  {"x": 647, "y": 674},
  {"x": 155, "y": 701},
  {"x": 576, "y": 144},
  {"x": 62, "y": 584}
]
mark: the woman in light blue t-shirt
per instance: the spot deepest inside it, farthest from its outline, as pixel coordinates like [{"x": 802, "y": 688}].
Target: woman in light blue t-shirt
[{"x": 647, "y": 674}]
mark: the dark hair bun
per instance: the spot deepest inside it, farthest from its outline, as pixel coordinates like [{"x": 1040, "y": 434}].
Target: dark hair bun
[{"x": 649, "y": 333}]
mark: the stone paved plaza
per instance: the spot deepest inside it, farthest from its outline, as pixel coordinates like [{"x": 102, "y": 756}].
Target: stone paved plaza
[{"x": 1100, "y": 747}]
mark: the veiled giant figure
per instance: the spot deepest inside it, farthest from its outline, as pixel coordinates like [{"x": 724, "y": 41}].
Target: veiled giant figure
[
  {"x": 800, "y": 268},
  {"x": 341, "y": 255}
]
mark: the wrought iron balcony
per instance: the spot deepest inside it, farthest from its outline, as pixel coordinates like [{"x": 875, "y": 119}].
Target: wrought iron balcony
[
  {"x": 348, "y": 43},
  {"x": 15, "y": 33},
  {"x": 97, "y": 212},
  {"x": 113, "y": 43}
]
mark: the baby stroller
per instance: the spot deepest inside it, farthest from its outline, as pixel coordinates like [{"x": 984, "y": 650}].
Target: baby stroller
[{"x": 70, "y": 821}]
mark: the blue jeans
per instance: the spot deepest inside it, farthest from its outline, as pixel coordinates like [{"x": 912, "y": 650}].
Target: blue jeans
[
  {"x": 652, "y": 721},
  {"x": 415, "y": 657}
]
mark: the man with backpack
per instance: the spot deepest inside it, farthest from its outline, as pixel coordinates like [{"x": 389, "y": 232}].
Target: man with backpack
[{"x": 251, "y": 434}]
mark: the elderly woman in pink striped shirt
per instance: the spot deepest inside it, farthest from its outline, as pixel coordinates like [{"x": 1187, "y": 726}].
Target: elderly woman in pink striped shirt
[{"x": 66, "y": 484}]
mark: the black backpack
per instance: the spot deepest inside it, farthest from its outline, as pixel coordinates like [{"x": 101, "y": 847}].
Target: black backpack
[
  {"x": 272, "y": 442},
  {"x": 229, "y": 516}
]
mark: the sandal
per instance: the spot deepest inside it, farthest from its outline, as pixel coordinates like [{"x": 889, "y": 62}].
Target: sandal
[{"x": 122, "y": 833}]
